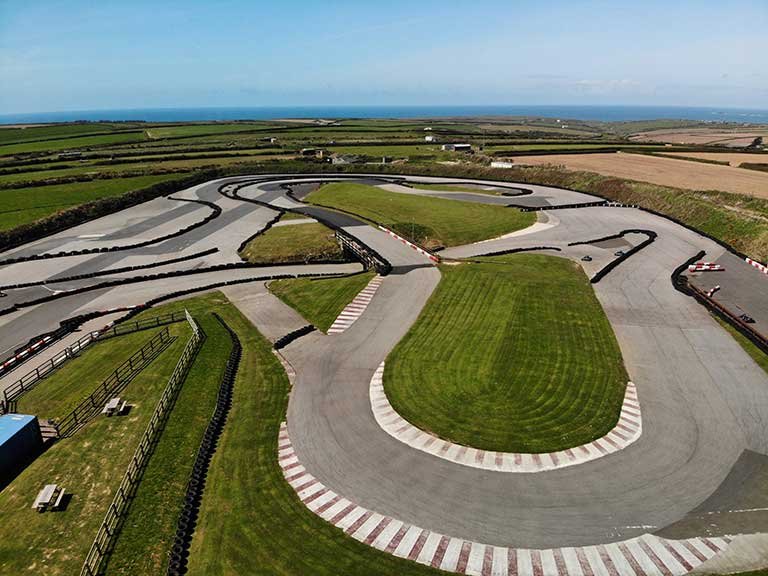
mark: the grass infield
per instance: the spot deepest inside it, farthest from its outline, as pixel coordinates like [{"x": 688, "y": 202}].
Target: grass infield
[
  {"x": 320, "y": 301},
  {"x": 513, "y": 354},
  {"x": 430, "y": 222},
  {"x": 295, "y": 243}
]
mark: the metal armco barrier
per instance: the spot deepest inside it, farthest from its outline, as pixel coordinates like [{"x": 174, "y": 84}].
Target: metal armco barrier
[
  {"x": 92, "y": 405},
  {"x": 103, "y": 544},
  {"x": 13, "y": 392},
  {"x": 361, "y": 253}
]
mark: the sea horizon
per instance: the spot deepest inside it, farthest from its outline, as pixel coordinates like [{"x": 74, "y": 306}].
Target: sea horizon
[{"x": 596, "y": 112}]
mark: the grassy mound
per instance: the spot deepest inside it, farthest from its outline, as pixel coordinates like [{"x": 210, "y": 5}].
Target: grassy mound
[
  {"x": 295, "y": 243},
  {"x": 511, "y": 354},
  {"x": 148, "y": 532},
  {"x": 320, "y": 301},
  {"x": 431, "y": 222}
]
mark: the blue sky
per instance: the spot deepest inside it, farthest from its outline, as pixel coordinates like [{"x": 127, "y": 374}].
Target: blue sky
[{"x": 76, "y": 55}]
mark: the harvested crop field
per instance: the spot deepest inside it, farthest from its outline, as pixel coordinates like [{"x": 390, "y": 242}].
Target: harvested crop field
[
  {"x": 701, "y": 136},
  {"x": 733, "y": 158},
  {"x": 662, "y": 171}
]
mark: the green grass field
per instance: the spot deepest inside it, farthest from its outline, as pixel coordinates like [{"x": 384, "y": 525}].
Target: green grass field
[
  {"x": 33, "y": 133},
  {"x": 203, "y": 129},
  {"x": 320, "y": 301},
  {"x": 431, "y": 151},
  {"x": 90, "y": 466},
  {"x": 431, "y": 222},
  {"x": 293, "y": 243},
  {"x": 251, "y": 521},
  {"x": 147, "y": 535},
  {"x": 72, "y": 143},
  {"x": 56, "y": 396},
  {"x": 513, "y": 354},
  {"x": 24, "y": 205}
]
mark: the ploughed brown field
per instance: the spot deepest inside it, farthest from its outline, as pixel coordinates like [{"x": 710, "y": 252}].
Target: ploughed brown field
[
  {"x": 663, "y": 171},
  {"x": 733, "y": 158},
  {"x": 702, "y": 136}
]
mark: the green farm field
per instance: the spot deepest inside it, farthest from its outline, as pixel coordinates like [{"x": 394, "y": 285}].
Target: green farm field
[
  {"x": 513, "y": 354},
  {"x": 72, "y": 143},
  {"x": 24, "y": 205}
]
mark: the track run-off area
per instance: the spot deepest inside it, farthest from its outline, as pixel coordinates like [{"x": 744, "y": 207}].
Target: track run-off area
[{"x": 662, "y": 496}]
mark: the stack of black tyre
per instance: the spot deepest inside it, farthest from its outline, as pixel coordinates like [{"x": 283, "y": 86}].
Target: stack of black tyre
[{"x": 185, "y": 528}]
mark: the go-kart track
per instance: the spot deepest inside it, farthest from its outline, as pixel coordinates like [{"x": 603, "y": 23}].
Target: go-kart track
[{"x": 687, "y": 493}]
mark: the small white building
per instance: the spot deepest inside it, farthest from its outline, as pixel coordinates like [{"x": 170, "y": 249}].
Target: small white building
[
  {"x": 428, "y": 129},
  {"x": 430, "y": 138},
  {"x": 501, "y": 164},
  {"x": 457, "y": 147}
]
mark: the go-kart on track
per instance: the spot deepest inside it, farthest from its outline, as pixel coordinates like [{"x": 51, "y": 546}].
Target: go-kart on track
[{"x": 687, "y": 494}]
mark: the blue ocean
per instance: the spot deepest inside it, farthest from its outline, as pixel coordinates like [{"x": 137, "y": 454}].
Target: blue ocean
[{"x": 604, "y": 113}]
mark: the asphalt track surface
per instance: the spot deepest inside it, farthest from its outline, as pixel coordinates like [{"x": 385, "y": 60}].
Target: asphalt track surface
[{"x": 697, "y": 469}]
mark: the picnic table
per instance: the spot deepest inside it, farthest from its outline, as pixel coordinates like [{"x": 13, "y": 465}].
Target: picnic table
[
  {"x": 114, "y": 406},
  {"x": 49, "y": 498}
]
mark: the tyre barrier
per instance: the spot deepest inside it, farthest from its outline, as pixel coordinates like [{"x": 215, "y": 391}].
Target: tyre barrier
[
  {"x": 185, "y": 527},
  {"x": 179, "y": 293},
  {"x": 268, "y": 225},
  {"x": 113, "y": 270},
  {"x": 524, "y": 208},
  {"x": 603, "y": 272},
  {"x": 517, "y": 250},
  {"x": 682, "y": 285},
  {"x": 517, "y": 190},
  {"x": 124, "y": 281},
  {"x": 613, "y": 236},
  {"x": 38, "y": 343},
  {"x": 104, "y": 249},
  {"x": 232, "y": 192},
  {"x": 283, "y": 341}
]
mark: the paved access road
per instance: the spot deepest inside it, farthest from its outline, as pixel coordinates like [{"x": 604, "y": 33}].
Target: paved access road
[{"x": 705, "y": 402}]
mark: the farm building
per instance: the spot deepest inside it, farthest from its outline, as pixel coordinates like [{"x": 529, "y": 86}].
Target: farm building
[
  {"x": 347, "y": 159},
  {"x": 430, "y": 139},
  {"x": 501, "y": 164},
  {"x": 20, "y": 441},
  {"x": 457, "y": 147}
]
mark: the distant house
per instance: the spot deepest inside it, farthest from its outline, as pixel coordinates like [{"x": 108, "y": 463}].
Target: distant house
[
  {"x": 430, "y": 138},
  {"x": 308, "y": 151},
  {"x": 270, "y": 139},
  {"x": 342, "y": 159},
  {"x": 501, "y": 164},
  {"x": 428, "y": 129},
  {"x": 457, "y": 147}
]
